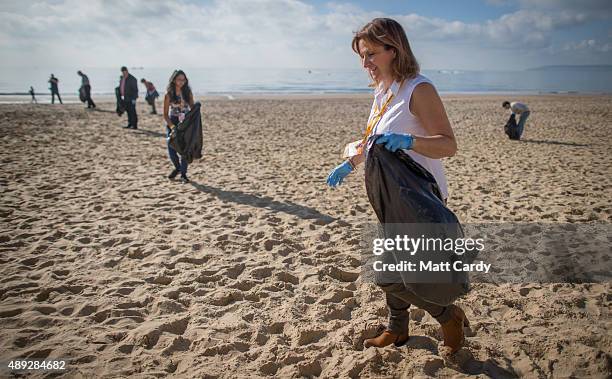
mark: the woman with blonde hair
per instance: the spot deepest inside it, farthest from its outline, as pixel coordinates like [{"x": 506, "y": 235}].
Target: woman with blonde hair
[{"x": 406, "y": 114}]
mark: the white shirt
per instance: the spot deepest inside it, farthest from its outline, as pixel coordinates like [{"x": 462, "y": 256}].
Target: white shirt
[
  {"x": 399, "y": 119},
  {"x": 518, "y": 108}
]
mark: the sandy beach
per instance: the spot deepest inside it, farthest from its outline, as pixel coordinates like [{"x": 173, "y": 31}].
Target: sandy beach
[{"x": 252, "y": 269}]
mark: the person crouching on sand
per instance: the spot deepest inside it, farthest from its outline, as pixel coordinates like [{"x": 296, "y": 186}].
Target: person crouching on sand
[
  {"x": 408, "y": 114},
  {"x": 520, "y": 109},
  {"x": 177, "y": 103},
  {"x": 151, "y": 94}
]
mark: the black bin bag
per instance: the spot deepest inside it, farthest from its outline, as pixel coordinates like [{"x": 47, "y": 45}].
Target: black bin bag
[
  {"x": 511, "y": 128},
  {"x": 120, "y": 106},
  {"x": 82, "y": 95},
  {"x": 408, "y": 203},
  {"x": 186, "y": 137}
]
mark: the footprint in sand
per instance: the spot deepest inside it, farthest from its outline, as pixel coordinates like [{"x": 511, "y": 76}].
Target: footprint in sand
[
  {"x": 287, "y": 278},
  {"x": 261, "y": 272},
  {"x": 12, "y": 312},
  {"x": 336, "y": 296},
  {"x": 234, "y": 271},
  {"x": 432, "y": 365},
  {"x": 29, "y": 262},
  {"x": 45, "y": 309},
  {"x": 167, "y": 307},
  {"x": 336, "y": 273},
  {"x": 225, "y": 297},
  {"x": 179, "y": 343},
  {"x": 335, "y": 312}
]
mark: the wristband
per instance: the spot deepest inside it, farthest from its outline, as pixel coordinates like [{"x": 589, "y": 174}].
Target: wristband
[
  {"x": 350, "y": 162},
  {"x": 411, "y": 141}
]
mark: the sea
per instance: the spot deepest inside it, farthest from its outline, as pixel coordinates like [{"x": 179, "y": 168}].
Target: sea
[{"x": 15, "y": 82}]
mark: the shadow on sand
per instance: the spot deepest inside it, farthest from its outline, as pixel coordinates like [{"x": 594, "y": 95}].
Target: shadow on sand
[
  {"x": 96, "y": 109},
  {"x": 463, "y": 361},
  {"x": 288, "y": 207},
  {"x": 150, "y": 133},
  {"x": 554, "y": 142}
]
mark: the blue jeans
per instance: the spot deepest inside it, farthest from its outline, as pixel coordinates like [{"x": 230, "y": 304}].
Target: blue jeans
[
  {"x": 180, "y": 163},
  {"x": 521, "y": 123}
]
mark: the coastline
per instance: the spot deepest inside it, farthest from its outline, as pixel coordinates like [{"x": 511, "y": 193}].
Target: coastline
[{"x": 73, "y": 99}]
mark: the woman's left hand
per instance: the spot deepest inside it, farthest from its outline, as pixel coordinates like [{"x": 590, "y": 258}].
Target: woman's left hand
[{"x": 394, "y": 141}]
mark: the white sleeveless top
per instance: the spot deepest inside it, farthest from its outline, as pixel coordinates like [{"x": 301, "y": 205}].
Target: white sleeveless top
[{"x": 399, "y": 119}]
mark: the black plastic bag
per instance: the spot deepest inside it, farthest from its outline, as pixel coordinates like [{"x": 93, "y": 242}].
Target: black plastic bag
[
  {"x": 120, "y": 106},
  {"x": 408, "y": 201},
  {"x": 150, "y": 97},
  {"x": 511, "y": 128},
  {"x": 82, "y": 95},
  {"x": 186, "y": 137}
]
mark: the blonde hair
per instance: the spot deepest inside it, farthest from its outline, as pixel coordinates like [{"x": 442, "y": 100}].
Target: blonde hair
[{"x": 390, "y": 34}]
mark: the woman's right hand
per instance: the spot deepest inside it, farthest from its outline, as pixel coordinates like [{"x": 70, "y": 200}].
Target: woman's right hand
[{"x": 337, "y": 175}]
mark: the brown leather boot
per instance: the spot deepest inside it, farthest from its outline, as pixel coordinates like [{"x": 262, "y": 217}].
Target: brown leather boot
[
  {"x": 385, "y": 339},
  {"x": 453, "y": 329}
]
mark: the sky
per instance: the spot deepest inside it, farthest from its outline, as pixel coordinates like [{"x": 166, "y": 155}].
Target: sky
[{"x": 444, "y": 34}]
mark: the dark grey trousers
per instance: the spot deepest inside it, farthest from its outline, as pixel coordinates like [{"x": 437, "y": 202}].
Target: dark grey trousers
[{"x": 399, "y": 299}]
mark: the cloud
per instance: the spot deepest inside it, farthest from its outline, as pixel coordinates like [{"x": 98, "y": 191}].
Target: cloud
[
  {"x": 257, "y": 33},
  {"x": 520, "y": 29},
  {"x": 261, "y": 32},
  {"x": 589, "y": 44}
]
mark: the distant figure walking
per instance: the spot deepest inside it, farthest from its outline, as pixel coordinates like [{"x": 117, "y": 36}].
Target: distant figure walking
[
  {"x": 53, "y": 81},
  {"x": 152, "y": 94},
  {"x": 128, "y": 89},
  {"x": 518, "y": 109},
  {"x": 87, "y": 89},
  {"x": 33, "y": 95},
  {"x": 177, "y": 103}
]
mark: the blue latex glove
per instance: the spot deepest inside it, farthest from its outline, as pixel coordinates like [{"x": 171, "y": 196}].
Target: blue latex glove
[
  {"x": 394, "y": 141},
  {"x": 337, "y": 175}
]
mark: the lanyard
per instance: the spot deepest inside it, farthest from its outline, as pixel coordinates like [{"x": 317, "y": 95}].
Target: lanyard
[{"x": 373, "y": 122}]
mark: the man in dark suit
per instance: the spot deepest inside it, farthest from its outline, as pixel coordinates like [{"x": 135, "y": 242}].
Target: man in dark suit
[{"x": 128, "y": 88}]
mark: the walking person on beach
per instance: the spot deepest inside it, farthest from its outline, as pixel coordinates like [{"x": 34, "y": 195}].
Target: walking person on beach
[
  {"x": 128, "y": 89},
  {"x": 177, "y": 103},
  {"x": 53, "y": 82},
  {"x": 152, "y": 94},
  {"x": 33, "y": 100},
  {"x": 87, "y": 87},
  {"x": 408, "y": 114},
  {"x": 519, "y": 109}
]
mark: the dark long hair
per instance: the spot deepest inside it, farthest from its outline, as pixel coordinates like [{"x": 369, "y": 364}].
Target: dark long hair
[{"x": 171, "y": 89}]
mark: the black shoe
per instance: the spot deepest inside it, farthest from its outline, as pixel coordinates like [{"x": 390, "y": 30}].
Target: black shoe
[
  {"x": 127, "y": 127},
  {"x": 184, "y": 179},
  {"x": 173, "y": 174}
]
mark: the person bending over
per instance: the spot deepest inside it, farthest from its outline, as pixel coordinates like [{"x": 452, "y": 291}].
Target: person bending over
[{"x": 520, "y": 109}]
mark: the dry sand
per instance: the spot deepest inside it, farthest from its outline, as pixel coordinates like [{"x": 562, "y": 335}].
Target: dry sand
[{"x": 253, "y": 268}]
